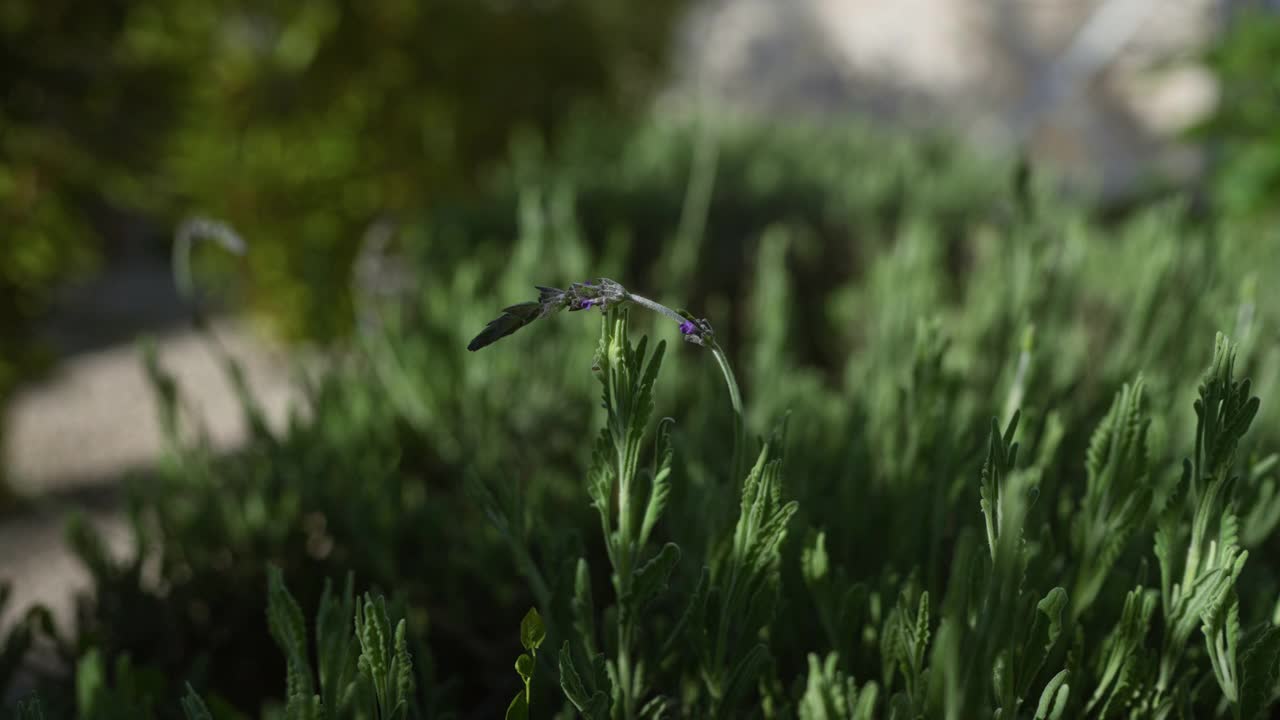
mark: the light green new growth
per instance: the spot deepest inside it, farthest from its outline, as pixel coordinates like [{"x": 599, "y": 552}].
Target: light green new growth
[
  {"x": 532, "y": 633},
  {"x": 830, "y": 694},
  {"x": 365, "y": 668},
  {"x": 384, "y": 661}
]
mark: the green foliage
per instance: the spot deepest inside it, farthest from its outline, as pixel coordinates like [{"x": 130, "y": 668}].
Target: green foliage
[
  {"x": 194, "y": 708},
  {"x": 29, "y": 709},
  {"x": 950, "y": 514},
  {"x": 1117, "y": 492},
  {"x": 1242, "y": 129},
  {"x": 590, "y": 695},
  {"x": 832, "y": 695},
  {"x": 531, "y": 636},
  {"x": 627, "y": 373},
  {"x": 368, "y": 674},
  {"x": 384, "y": 662},
  {"x": 329, "y": 115}
]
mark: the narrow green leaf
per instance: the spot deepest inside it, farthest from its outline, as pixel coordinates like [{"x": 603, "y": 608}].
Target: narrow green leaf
[
  {"x": 90, "y": 682},
  {"x": 655, "y": 709},
  {"x": 1053, "y": 701},
  {"x": 661, "y": 485},
  {"x": 193, "y": 707},
  {"x": 402, "y": 670},
  {"x": 1051, "y": 607},
  {"x": 584, "y": 607},
  {"x": 284, "y": 620},
  {"x": 651, "y": 578}
]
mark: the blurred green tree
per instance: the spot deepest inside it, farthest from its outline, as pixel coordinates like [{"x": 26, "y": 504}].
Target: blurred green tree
[
  {"x": 311, "y": 121},
  {"x": 81, "y": 118},
  {"x": 300, "y": 123},
  {"x": 1244, "y": 130}
]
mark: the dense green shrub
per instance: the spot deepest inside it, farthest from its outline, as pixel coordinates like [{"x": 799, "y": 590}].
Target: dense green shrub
[{"x": 892, "y": 552}]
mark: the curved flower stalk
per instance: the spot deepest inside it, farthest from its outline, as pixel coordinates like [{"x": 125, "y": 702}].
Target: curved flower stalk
[
  {"x": 195, "y": 229},
  {"x": 604, "y": 293}
]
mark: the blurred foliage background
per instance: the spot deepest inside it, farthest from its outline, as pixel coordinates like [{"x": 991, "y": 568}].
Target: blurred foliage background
[
  {"x": 300, "y": 123},
  {"x": 1242, "y": 133}
]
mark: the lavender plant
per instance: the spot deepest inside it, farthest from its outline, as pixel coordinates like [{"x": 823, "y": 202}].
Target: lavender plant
[
  {"x": 735, "y": 600},
  {"x": 366, "y": 674},
  {"x": 605, "y": 294},
  {"x": 975, "y": 521}
]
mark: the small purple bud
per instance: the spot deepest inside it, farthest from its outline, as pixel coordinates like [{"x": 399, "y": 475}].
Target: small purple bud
[
  {"x": 586, "y": 304},
  {"x": 688, "y": 328}
]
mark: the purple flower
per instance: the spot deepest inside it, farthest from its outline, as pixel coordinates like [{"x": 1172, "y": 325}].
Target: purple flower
[
  {"x": 586, "y": 304},
  {"x": 688, "y": 328}
]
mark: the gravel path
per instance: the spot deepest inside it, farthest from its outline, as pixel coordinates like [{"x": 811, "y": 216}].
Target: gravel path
[
  {"x": 96, "y": 416},
  {"x": 72, "y": 436}
]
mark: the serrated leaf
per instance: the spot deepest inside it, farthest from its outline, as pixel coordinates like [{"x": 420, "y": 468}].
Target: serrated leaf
[
  {"x": 402, "y": 670},
  {"x": 651, "y": 578},
  {"x": 335, "y": 644},
  {"x": 384, "y": 662},
  {"x": 1121, "y": 652},
  {"x": 284, "y": 620},
  {"x": 660, "y": 488},
  {"x": 593, "y": 703},
  {"x": 373, "y": 632},
  {"x": 1259, "y": 674},
  {"x": 570, "y": 679}
]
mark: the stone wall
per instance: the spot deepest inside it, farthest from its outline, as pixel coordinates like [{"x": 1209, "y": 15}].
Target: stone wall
[{"x": 1100, "y": 89}]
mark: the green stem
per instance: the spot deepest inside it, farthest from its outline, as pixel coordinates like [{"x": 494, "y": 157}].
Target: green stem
[
  {"x": 626, "y": 556},
  {"x": 625, "y": 674},
  {"x": 190, "y": 231},
  {"x": 735, "y": 399},
  {"x": 541, "y": 591},
  {"x": 730, "y": 380},
  {"x": 656, "y": 307}
]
